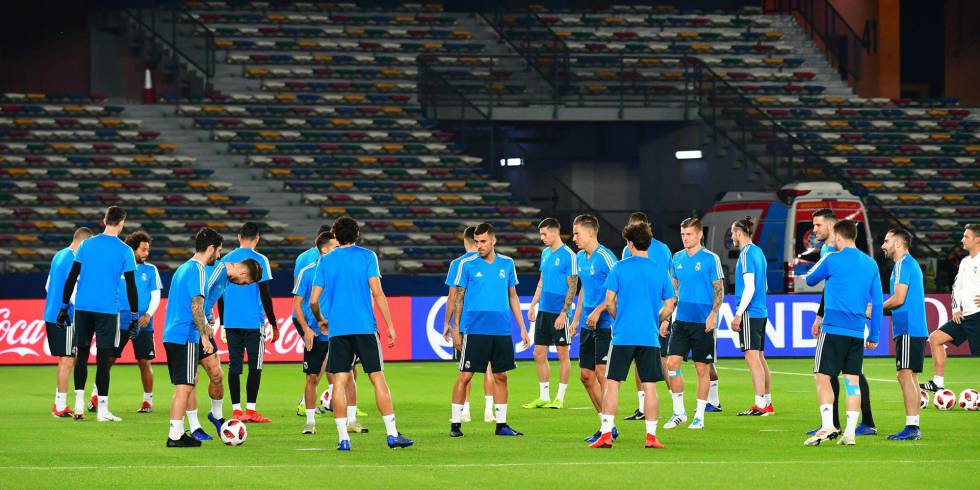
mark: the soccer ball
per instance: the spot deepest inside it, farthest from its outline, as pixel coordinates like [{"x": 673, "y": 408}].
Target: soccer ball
[
  {"x": 325, "y": 400},
  {"x": 923, "y": 399},
  {"x": 233, "y": 432},
  {"x": 944, "y": 399},
  {"x": 969, "y": 399}
]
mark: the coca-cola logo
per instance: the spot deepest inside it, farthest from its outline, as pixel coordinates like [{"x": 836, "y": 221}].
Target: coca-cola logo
[{"x": 21, "y": 336}]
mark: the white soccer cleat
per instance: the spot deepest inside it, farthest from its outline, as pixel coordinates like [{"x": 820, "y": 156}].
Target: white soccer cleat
[
  {"x": 676, "y": 420},
  {"x": 821, "y": 436},
  {"x": 309, "y": 429},
  {"x": 108, "y": 417},
  {"x": 696, "y": 424},
  {"x": 846, "y": 440},
  {"x": 466, "y": 417}
]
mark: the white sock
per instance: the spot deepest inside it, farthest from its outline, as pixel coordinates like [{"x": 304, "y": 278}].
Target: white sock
[
  {"x": 351, "y": 414},
  {"x": 607, "y": 423},
  {"x": 760, "y": 401},
  {"x": 250, "y": 406},
  {"x": 500, "y": 412},
  {"x": 192, "y": 420},
  {"x": 488, "y": 407},
  {"x": 652, "y": 427},
  {"x": 390, "y": 425},
  {"x": 713, "y": 394},
  {"x": 699, "y": 412},
  {"x": 544, "y": 391},
  {"x": 562, "y": 388},
  {"x": 678, "y": 399},
  {"x": 236, "y": 407},
  {"x": 342, "y": 429},
  {"x": 912, "y": 420},
  {"x": 148, "y": 397},
  {"x": 642, "y": 397},
  {"x": 768, "y": 398},
  {"x": 79, "y": 401},
  {"x": 457, "y": 413},
  {"x": 466, "y": 408},
  {"x": 103, "y": 405},
  {"x": 176, "y": 429},
  {"x": 217, "y": 408},
  {"x": 60, "y": 401},
  {"x": 827, "y": 416},
  {"x": 852, "y": 421},
  {"x": 939, "y": 380},
  {"x": 310, "y": 416}
]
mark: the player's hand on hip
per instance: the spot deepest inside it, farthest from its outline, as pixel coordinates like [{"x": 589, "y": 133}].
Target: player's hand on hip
[
  {"x": 206, "y": 345},
  {"x": 392, "y": 336},
  {"x": 145, "y": 320},
  {"x": 737, "y": 323},
  {"x": 308, "y": 339},
  {"x": 561, "y": 321},
  {"x": 957, "y": 317},
  {"x": 457, "y": 341}
]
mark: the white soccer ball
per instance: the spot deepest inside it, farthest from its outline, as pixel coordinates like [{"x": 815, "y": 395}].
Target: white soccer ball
[
  {"x": 944, "y": 399},
  {"x": 233, "y": 432},
  {"x": 969, "y": 399},
  {"x": 325, "y": 399},
  {"x": 923, "y": 398}
]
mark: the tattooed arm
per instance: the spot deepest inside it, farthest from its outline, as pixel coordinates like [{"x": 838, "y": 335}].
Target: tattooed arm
[
  {"x": 197, "y": 309},
  {"x": 712, "y": 323},
  {"x": 457, "y": 315}
]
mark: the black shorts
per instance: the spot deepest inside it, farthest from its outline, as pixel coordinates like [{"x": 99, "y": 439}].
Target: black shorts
[
  {"x": 214, "y": 349},
  {"x": 61, "y": 342},
  {"x": 603, "y": 337},
  {"x": 103, "y": 326},
  {"x": 315, "y": 359},
  {"x": 586, "y": 348},
  {"x": 545, "y": 333},
  {"x": 479, "y": 350},
  {"x": 910, "y": 353},
  {"x": 345, "y": 350},
  {"x": 688, "y": 337},
  {"x": 142, "y": 345},
  {"x": 647, "y": 359},
  {"x": 967, "y": 330},
  {"x": 241, "y": 340},
  {"x": 182, "y": 362},
  {"x": 665, "y": 341},
  {"x": 839, "y": 354},
  {"x": 753, "y": 334}
]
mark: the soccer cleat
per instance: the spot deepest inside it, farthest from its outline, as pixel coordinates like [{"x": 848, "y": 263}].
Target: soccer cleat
[
  {"x": 145, "y": 407},
  {"x": 361, "y": 413},
  {"x": 254, "y": 416},
  {"x": 752, "y": 411},
  {"x": 555, "y": 404},
  {"x": 593, "y": 437},
  {"x": 696, "y": 424},
  {"x": 78, "y": 416},
  {"x": 506, "y": 430},
  {"x": 846, "y": 440},
  {"x": 865, "y": 430},
  {"x": 615, "y": 433},
  {"x": 309, "y": 429},
  {"x": 356, "y": 428},
  {"x": 931, "y": 386},
  {"x": 301, "y": 409},
  {"x": 821, "y": 436},
  {"x": 93, "y": 402},
  {"x": 399, "y": 441},
  {"x": 539, "y": 403},
  {"x": 466, "y": 417},
  {"x": 675, "y": 420},
  {"x": 814, "y": 431},
  {"x": 653, "y": 443},
  {"x": 455, "y": 431},
  {"x": 67, "y": 412},
  {"x": 344, "y": 445},
  {"x": 637, "y": 415},
  {"x": 238, "y": 415},
  {"x": 184, "y": 441},
  {"x": 712, "y": 408},
  {"x": 217, "y": 422},
  {"x": 605, "y": 441},
  {"x": 909, "y": 433},
  {"x": 200, "y": 435},
  {"x": 769, "y": 410},
  {"x": 321, "y": 411},
  {"x": 108, "y": 417}
]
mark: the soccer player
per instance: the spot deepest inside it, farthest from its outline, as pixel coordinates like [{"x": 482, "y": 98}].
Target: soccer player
[
  {"x": 469, "y": 244},
  {"x": 315, "y": 343},
  {"x": 594, "y": 263},
  {"x": 549, "y": 312},
  {"x": 485, "y": 293},
  {"x": 639, "y": 297},
  {"x": 823, "y": 227},
  {"x": 99, "y": 263},
  {"x": 751, "y": 314},
  {"x": 61, "y": 335},
  {"x": 852, "y": 282},
  {"x": 244, "y": 326},
  {"x": 311, "y": 254},
  {"x": 699, "y": 280},
  {"x": 907, "y": 307},
  {"x": 965, "y": 324},
  {"x": 350, "y": 279}
]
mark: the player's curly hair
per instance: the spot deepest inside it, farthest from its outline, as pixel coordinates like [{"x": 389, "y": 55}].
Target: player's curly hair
[
  {"x": 207, "y": 237},
  {"x": 137, "y": 237},
  {"x": 640, "y": 234},
  {"x": 346, "y": 230}
]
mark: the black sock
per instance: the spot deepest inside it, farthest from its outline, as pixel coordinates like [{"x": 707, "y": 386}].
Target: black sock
[
  {"x": 235, "y": 387},
  {"x": 252, "y": 385},
  {"x": 81, "y": 370},
  {"x": 835, "y": 384},
  {"x": 103, "y": 359},
  {"x": 866, "y": 417}
]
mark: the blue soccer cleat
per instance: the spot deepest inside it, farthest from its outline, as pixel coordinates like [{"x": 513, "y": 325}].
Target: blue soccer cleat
[
  {"x": 344, "y": 445},
  {"x": 909, "y": 433},
  {"x": 615, "y": 433},
  {"x": 865, "y": 430},
  {"x": 712, "y": 408},
  {"x": 200, "y": 435},
  {"x": 399, "y": 441},
  {"x": 506, "y": 430},
  {"x": 217, "y": 422},
  {"x": 593, "y": 437}
]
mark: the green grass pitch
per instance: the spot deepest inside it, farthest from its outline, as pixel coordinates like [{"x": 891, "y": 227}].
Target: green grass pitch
[{"x": 37, "y": 450}]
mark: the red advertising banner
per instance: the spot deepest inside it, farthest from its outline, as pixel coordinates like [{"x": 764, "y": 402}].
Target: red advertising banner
[{"x": 23, "y": 339}]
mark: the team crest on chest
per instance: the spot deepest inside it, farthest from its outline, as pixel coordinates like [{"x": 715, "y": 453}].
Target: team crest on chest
[
  {"x": 143, "y": 277},
  {"x": 557, "y": 261},
  {"x": 591, "y": 270},
  {"x": 697, "y": 266},
  {"x": 502, "y": 274}
]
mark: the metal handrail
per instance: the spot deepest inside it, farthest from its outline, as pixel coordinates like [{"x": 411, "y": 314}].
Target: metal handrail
[
  {"x": 825, "y": 27},
  {"x": 146, "y": 20}
]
